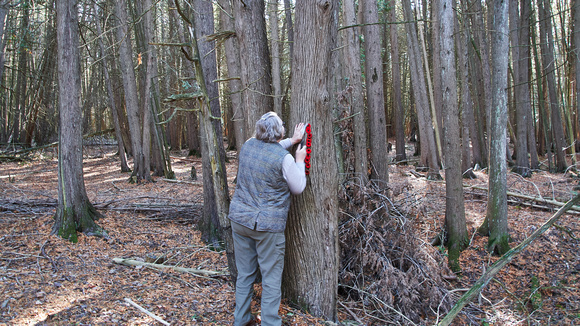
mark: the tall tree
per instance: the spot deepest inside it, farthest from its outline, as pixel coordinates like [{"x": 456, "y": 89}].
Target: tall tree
[
  {"x": 204, "y": 26},
  {"x": 375, "y": 93},
  {"x": 311, "y": 262},
  {"x": 524, "y": 98},
  {"x": 427, "y": 138},
  {"x": 466, "y": 102},
  {"x": 74, "y": 213},
  {"x": 522, "y": 166},
  {"x": 495, "y": 223},
  {"x": 577, "y": 55},
  {"x": 275, "y": 54},
  {"x": 353, "y": 72},
  {"x": 548, "y": 61},
  {"x": 482, "y": 73},
  {"x": 457, "y": 237},
  {"x": 211, "y": 134},
  {"x": 398, "y": 110},
  {"x": 22, "y": 78},
  {"x": 111, "y": 97},
  {"x": 140, "y": 172},
  {"x": 255, "y": 60},
  {"x": 232, "y": 52}
]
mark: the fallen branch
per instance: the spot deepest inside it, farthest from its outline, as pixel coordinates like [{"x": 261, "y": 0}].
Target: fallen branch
[
  {"x": 199, "y": 272},
  {"x": 535, "y": 199},
  {"x": 498, "y": 265},
  {"x": 149, "y": 313},
  {"x": 351, "y": 313}
]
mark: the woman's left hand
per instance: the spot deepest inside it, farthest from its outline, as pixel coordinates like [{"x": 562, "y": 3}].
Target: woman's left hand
[{"x": 298, "y": 133}]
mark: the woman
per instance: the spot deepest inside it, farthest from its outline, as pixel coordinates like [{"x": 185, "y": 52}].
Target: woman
[{"x": 267, "y": 175}]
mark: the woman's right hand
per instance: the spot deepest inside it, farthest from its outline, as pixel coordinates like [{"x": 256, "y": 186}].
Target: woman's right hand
[{"x": 300, "y": 154}]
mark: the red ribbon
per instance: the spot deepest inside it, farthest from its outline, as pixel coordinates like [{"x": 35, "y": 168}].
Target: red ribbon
[{"x": 308, "y": 131}]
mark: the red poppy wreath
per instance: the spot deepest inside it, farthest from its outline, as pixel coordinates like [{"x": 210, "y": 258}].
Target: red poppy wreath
[{"x": 308, "y": 142}]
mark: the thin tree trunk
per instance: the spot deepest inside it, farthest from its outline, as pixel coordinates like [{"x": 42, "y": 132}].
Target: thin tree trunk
[
  {"x": 436, "y": 106},
  {"x": 130, "y": 88},
  {"x": 576, "y": 11},
  {"x": 547, "y": 47},
  {"x": 213, "y": 143},
  {"x": 454, "y": 207},
  {"x": 398, "y": 109},
  {"x": 275, "y": 53},
  {"x": 375, "y": 93},
  {"x": 427, "y": 142},
  {"x": 204, "y": 26},
  {"x": 255, "y": 61},
  {"x": 234, "y": 73},
  {"x": 22, "y": 80},
  {"x": 496, "y": 218},
  {"x": 466, "y": 101},
  {"x": 353, "y": 72},
  {"x": 484, "y": 72},
  {"x": 522, "y": 166},
  {"x": 524, "y": 80}
]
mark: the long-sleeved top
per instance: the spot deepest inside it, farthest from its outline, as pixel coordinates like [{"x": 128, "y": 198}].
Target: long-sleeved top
[{"x": 294, "y": 173}]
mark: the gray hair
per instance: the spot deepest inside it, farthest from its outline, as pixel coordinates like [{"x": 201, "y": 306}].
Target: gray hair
[{"x": 269, "y": 128}]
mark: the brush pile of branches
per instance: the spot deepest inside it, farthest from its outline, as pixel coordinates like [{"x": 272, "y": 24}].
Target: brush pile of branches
[{"x": 384, "y": 265}]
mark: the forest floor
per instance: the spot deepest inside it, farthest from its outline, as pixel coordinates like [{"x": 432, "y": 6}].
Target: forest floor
[{"x": 48, "y": 281}]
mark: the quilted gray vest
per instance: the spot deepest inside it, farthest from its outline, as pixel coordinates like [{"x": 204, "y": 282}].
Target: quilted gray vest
[{"x": 262, "y": 197}]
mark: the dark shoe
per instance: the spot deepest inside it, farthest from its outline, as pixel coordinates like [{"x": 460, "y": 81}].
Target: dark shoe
[{"x": 251, "y": 323}]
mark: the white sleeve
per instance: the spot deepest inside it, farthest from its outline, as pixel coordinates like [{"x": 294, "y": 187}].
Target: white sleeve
[
  {"x": 286, "y": 143},
  {"x": 294, "y": 174}
]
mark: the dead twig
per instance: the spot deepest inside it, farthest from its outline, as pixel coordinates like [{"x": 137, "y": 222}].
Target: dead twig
[
  {"x": 45, "y": 255},
  {"x": 149, "y": 313}
]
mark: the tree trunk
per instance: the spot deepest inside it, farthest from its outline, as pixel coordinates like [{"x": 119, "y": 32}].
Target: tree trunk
[
  {"x": 4, "y": 112},
  {"x": 466, "y": 102},
  {"x": 290, "y": 31},
  {"x": 375, "y": 94},
  {"x": 496, "y": 218},
  {"x": 436, "y": 67},
  {"x": 577, "y": 59},
  {"x": 483, "y": 84},
  {"x": 427, "y": 143},
  {"x": 203, "y": 16},
  {"x": 22, "y": 80},
  {"x": 111, "y": 97},
  {"x": 398, "y": 110},
  {"x": 353, "y": 72},
  {"x": 524, "y": 80},
  {"x": 74, "y": 212},
  {"x": 547, "y": 47},
  {"x": 234, "y": 73},
  {"x": 455, "y": 224},
  {"x": 522, "y": 166},
  {"x": 255, "y": 61},
  {"x": 130, "y": 88},
  {"x": 212, "y": 134},
  {"x": 311, "y": 265},
  {"x": 275, "y": 53}
]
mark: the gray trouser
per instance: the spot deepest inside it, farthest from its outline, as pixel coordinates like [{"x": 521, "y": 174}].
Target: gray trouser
[{"x": 266, "y": 250}]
